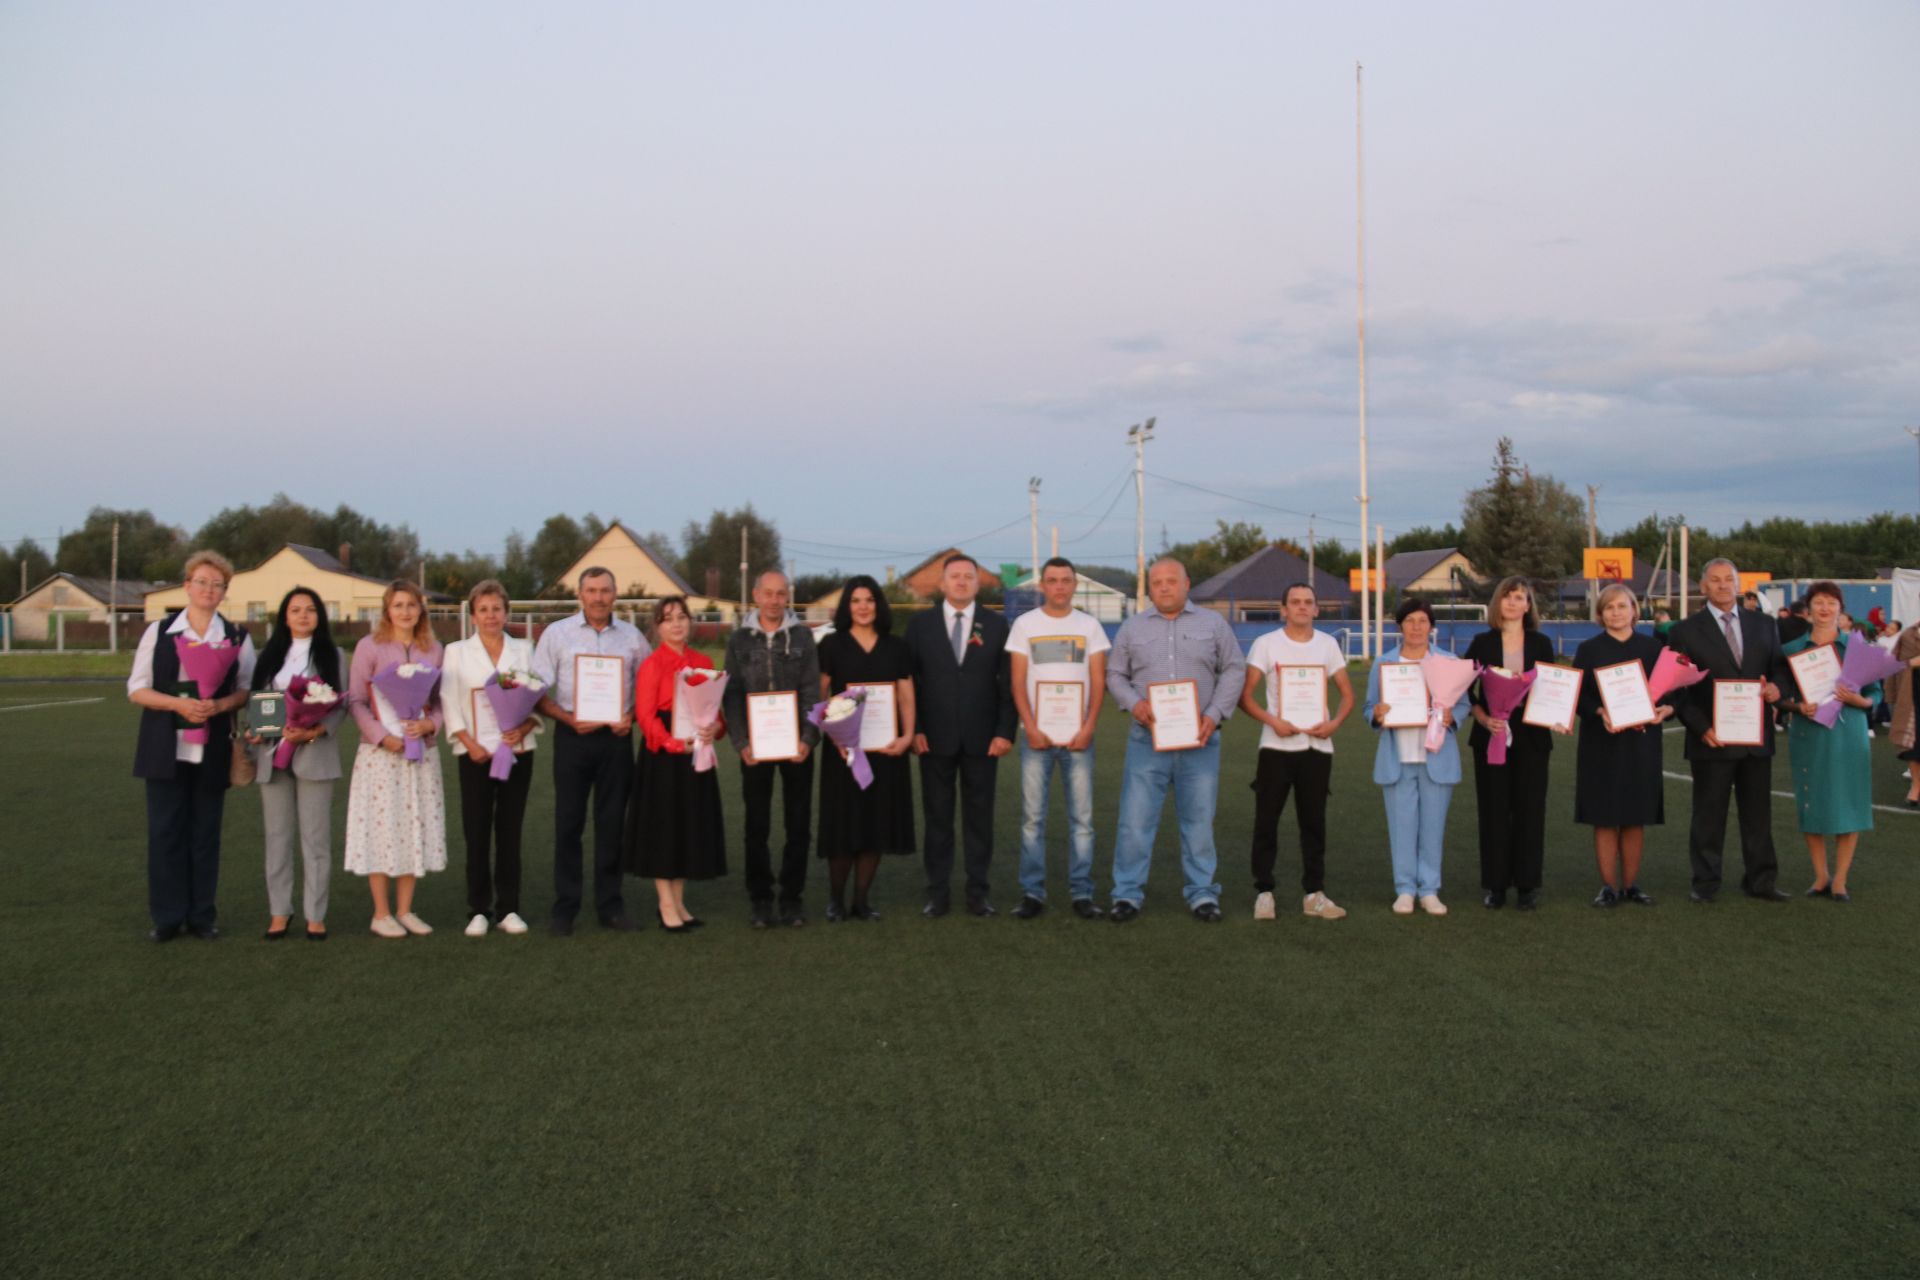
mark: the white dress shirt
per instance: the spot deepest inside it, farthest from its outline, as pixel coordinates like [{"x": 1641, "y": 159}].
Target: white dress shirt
[
  {"x": 464, "y": 671},
  {"x": 142, "y": 674}
]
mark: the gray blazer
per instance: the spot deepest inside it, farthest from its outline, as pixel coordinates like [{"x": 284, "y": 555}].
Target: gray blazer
[{"x": 316, "y": 761}]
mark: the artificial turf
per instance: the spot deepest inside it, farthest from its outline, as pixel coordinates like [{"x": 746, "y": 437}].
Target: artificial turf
[{"x": 1728, "y": 1090}]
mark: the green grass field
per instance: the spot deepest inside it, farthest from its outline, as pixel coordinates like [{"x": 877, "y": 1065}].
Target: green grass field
[{"x": 1724, "y": 1091}]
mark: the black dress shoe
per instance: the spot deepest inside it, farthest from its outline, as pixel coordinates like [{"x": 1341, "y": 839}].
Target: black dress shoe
[
  {"x": 1493, "y": 901},
  {"x": 1208, "y": 913},
  {"x": 791, "y": 916},
  {"x": 1029, "y": 908},
  {"x": 762, "y": 915},
  {"x": 205, "y": 932},
  {"x": 1123, "y": 912},
  {"x": 1770, "y": 895},
  {"x": 681, "y": 929},
  {"x": 164, "y": 933},
  {"x": 1606, "y": 897},
  {"x": 835, "y": 913},
  {"x": 1087, "y": 909},
  {"x": 560, "y": 927},
  {"x": 619, "y": 922},
  {"x": 1843, "y": 897},
  {"x": 1636, "y": 895},
  {"x": 1528, "y": 901},
  {"x": 980, "y": 907},
  {"x": 1704, "y": 899},
  {"x": 312, "y": 936},
  {"x": 275, "y": 935},
  {"x": 935, "y": 908},
  {"x": 861, "y": 911},
  {"x": 1824, "y": 891}
]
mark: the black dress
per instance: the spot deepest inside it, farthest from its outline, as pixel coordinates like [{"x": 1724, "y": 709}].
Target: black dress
[
  {"x": 880, "y": 818},
  {"x": 1617, "y": 782},
  {"x": 674, "y": 829}
]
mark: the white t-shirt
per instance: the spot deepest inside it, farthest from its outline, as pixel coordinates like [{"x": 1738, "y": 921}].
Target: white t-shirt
[
  {"x": 1058, "y": 648},
  {"x": 1278, "y": 649}
]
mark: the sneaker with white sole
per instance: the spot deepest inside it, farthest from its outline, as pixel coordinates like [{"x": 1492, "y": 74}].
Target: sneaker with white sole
[
  {"x": 512, "y": 923},
  {"x": 1431, "y": 904},
  {"x": 1319, "y": 904},
  {"x": 414, "y": 924},
  {"x": 1263, "y": 907},
  {"x": 477, "y": 927},
  {"x": 1403, "y": 905},
  {"x": 387, "y": 927}
]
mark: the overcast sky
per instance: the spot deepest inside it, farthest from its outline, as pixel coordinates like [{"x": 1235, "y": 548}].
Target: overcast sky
[{"x": 871, "y": 266}]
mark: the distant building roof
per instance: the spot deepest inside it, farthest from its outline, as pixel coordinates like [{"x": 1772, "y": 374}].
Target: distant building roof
[
  {"x": 1408, "y": 567},
  {"x": 127, "y": 595},
  {"x": 1264, "y": 575}
]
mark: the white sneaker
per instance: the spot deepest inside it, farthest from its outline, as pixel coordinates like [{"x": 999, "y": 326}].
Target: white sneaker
[
  {"x": 477, "y": 927},
  {"x": 1403, "y": 905},
  {"x": 414, "y": 924},
  {"x": 1319, "y": 904},
  {"x": 512, "y": 923},
  {"x": 1431, "y": 904},
  {"x": 1263, "y": 907},
  {"x": 387, "y": 927}
]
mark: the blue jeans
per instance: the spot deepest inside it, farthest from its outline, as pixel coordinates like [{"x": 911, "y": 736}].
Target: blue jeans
[
  {"x": 1195, "y": 778},
  {"x": 1416, "y": 829},
  {"x": 1036, "y": 772}
]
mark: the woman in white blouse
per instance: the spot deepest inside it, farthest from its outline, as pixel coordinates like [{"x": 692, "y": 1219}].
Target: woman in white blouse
[
  {"x": 299, "y": 798},
  {"x": 491, "y": 812}
]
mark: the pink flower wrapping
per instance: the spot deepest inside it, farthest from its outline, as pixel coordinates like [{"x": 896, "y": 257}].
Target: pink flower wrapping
[{"x": 207, "y": 666}]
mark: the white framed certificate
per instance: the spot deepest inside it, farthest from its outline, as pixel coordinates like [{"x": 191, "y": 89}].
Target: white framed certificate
[
  {"x": 1059, "y": 709},
  {"x": 1554, "y": 699},
  {"x": 599, "y": 688},
  {"x": 1816, "y": 669},
  {"x": 879, "y": 715},
  {"x": 1739, "y": 713},
  {"x": 680, "y": 724},
  {"x": 1403, "y": 688},
  {"x": 1624, "y": 693},
  {"x": 1176, "y": 714},
  {"x": 1303, "y": 694},
  {"x": 773, "y": 726},
  {"x": 480, "y": 719}
]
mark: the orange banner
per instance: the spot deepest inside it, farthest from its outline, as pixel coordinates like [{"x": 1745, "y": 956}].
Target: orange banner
[
  {"x": 1749, "y": 581},
  {"x": 1353, "y": 580},
  {"x": 1607, "y": 564}
]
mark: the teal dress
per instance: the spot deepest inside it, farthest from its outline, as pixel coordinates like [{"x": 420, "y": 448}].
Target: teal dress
[{"x": 1832, "y": 768}]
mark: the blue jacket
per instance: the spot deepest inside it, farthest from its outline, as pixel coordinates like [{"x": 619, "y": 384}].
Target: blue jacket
[{"x": 1443, "y": 766}]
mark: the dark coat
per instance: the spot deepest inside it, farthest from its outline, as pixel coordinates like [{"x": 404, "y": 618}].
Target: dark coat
[
  {"x": 962, "y": 707},
  {"x": 1486, "y": 650},
  {"x": 1698, "y": 638}
]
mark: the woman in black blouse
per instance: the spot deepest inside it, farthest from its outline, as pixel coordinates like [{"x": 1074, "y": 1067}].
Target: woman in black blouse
[
  {"x": 1512, "y": 797},
  {"x": 1617, "y": 788}
]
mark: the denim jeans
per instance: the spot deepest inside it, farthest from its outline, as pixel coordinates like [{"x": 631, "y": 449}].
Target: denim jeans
[
  {"x": 1416, "y": 829},
  {"x": 1195, "y": 779},
  {"x": 1036, "y": 773}
]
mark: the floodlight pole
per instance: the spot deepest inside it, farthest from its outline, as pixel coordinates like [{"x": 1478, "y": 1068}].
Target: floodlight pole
[
  {"x": 1360, "y": 256},
  {"x": 1138, "y": 435}
]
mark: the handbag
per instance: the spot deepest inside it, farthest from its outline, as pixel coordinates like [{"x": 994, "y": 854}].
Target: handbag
[{"x": 241, "y": 770}]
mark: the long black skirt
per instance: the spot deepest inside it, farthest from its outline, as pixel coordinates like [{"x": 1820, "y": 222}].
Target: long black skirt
[{"x": 674, "y": 828}]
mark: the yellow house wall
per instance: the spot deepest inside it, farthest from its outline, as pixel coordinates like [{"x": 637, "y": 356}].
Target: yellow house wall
[
  {"x": 33, "y": 613},
  {"x": 257, "y": 592}
]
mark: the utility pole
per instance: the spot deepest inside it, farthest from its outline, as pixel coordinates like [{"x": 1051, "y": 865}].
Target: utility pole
[
  {"x": 1360, "y": 257},
  {"x": 1056, "y": 541},
  {"x": 1673, "y": 603},
  {"x": 1033, "y": 525},
  {"x": 1138, "y": 435},
  {"x": 1915, "y": 433},
  {"x": 743, "y": 571},
  {"x": 113, "y": 593},
  {"x": 1593, "y": 540},
  {"x": 1686, "y": 588},
  {"x": 1379, "y": 568},
  {"x": 1310, "y": 554}
]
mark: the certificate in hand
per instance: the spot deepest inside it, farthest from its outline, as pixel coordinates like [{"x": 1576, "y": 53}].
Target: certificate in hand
[
  {"x": 599, "y": 688},
  {"x": 1624, "y": 693},
  {"x": 1403, "y": 688},
  {"x": 1739, "y": 713},
  {"x": 1060, "y": 708},
  {"x": 1176, "y": 714},
  {"x": 773, "y": 726},
  {"x": 481, "y": 721},
  {"x": 1815, "y": 670},
  {"x": 267, "y": 714},
  {"x": 1554, "y": 698},
  {"x": 1303, "y": 694},
  {"x": 879, "y": 716}
]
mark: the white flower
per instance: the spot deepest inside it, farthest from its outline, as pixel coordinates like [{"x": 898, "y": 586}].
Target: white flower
[
  {"x": 413, "y": 668},
  {"x": 319, "y": 691},
  {"x": 1502, "y": 671},
  {"x": 841, "y": 707}
]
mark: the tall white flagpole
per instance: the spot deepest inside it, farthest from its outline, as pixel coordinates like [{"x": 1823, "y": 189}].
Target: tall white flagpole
[{"x": 1360, "y": 254}]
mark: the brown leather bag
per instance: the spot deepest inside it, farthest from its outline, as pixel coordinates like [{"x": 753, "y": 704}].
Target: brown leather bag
[{"x": 240, "y": 766}]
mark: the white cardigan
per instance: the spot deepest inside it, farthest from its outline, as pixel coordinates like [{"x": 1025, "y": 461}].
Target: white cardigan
[{"x": 465, "y": 669}]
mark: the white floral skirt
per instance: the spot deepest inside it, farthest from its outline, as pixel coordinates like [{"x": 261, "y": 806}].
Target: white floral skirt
[{"x": 396, "y": 815}]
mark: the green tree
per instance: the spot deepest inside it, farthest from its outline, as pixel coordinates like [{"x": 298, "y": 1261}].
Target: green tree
[
  {"x": 457, "y": 574},
  {"x": 1229, "y": 545},
  {"x": 1423, "y": 538},
  {"x": 1522, "y": 523},
  {"x": 28, "y": 557},
  {"x": 516, "y": 569},
  {"x": 247, "y": 535},
  {"x": 560, "y": 541},
  {"x": 809, "y": 587},
  {"x": 148, "y": 548},
  {"x": 716, "y": 545}
]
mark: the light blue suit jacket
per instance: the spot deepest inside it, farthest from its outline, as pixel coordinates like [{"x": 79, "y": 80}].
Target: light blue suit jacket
[{"x": 1443, "y": 766}]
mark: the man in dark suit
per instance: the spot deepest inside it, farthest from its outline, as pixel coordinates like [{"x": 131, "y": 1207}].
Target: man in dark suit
[
  {"x": 963, "y": 695},
  {"x": 1729, "y": 643}
]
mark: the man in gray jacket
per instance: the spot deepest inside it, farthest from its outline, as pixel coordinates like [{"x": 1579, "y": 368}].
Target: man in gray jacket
[{"x": 773, "y": 652}]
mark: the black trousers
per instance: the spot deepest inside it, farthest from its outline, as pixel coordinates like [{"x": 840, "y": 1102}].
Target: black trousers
[
  {"x": 592, "y": 772},
  {"x": 1513, "y": 817},
  {"x": 183, "y": 846},
  {"x": 1308, "y": 777},
  {"x": 975, "y": 776},
  {"x": 1749, "y": 780},
  {"x": 491, "y": 815},
  {"x": 796, "y": 795}
]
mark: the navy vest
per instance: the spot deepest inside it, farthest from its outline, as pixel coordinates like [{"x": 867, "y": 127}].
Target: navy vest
[{"x": 153, "y": 752}]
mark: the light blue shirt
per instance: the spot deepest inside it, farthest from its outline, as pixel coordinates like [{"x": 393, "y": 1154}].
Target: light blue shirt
[
  {"x": 553, "y": 656},
  {"x": 1195, "y": 644}
]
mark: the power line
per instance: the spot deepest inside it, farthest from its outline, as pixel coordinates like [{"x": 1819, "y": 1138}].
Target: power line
[{"x": 1120, "y": 491}]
